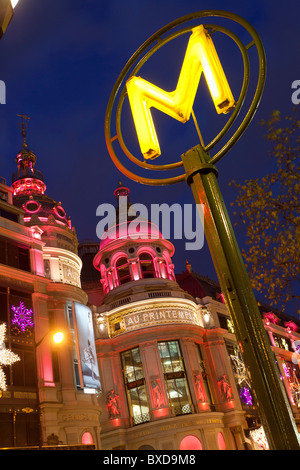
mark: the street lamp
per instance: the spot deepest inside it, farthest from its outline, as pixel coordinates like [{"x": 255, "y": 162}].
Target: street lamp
[
  {"x": 57, "y": 337},
  {"x": 200, "y": 174},
  {"x": 6, "y": 14}
]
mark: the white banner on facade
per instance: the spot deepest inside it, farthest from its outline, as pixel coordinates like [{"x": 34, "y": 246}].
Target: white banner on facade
[{"x": 86, "y": 347}]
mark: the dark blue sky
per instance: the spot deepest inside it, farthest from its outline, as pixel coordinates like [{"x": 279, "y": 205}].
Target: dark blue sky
[{"x": 60, "y": 60}]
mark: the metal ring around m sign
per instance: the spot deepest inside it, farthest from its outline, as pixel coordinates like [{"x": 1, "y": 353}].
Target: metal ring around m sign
[{"x": 134, "y": 64}]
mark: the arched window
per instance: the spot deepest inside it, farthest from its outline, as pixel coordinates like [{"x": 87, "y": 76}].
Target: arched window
[
  {"x": 87, "y": 438},
  {"x": 221, "y": 441},
  {"x": 123, "y": 272},
  {"x": 191, "y": 443},
  {"x": 147, "y": 266}
]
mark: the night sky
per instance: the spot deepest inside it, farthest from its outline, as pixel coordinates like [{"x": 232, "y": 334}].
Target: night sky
[{"x": 60, "y": 60}]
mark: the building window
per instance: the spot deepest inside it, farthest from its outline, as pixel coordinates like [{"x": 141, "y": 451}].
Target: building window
[
  {"x": 225, "y": 323},
  {"x": 175, "y": 377},
  {"x": 283, "y": 343},
  {"x": 87, "y": 438},
  {"x": 123, "y": 272},
  {"x": 292, "y": 374},
  {"x": 19, "y": 429},
  {"x": 135, "y": 386},
  {"x": 191, "y": 443},
  {"x": 75, "y": 360},
  {"x": 23, "y": 372},
  {"x": 54, "y": 353},
  {"x": 8, "y": 299},
  {"x": 14, "y": 255},
  {"x": 9, "y": 215},
  {"x": 77, "y": 373},
  {"x": 221, "y": 442},
  {"x": 70, "y": 316},
  {"x": 147, "y": 265}
]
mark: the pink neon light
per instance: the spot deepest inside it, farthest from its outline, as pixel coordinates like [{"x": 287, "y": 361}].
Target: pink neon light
[
  {"x": 191, "y": 443},
  {"x": 87, "y": 438},
  {"x": 49, "y": 384},
  {"x": 38, "y": 206},
  {"x": 161, "y": 412},
  {"x": 271, "y": 317},
  {"x": 46, "y": 370},
  {"x": 204, "y": 406},
  {"x": 116, "y": 422},
  {"x": 135, "y": 271},
  {"x": 221, "y": 441}
]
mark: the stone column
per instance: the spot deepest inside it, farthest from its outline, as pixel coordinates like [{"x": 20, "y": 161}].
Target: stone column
[{"x": 157, "y": 393}]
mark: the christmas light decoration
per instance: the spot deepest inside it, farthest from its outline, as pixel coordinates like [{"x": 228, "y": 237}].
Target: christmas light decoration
[
  {"x": 22, "y": 316},
  {"x": 7, "y": 357},
  {"x": 258, "y": 436},
  {"x": 246, "y": 396},
  {"x": 293, "y": 382},
  {"x": 240, "y": 370}
]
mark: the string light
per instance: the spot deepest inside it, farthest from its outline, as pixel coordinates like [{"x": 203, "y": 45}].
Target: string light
[
  {"x": 7, "y": 357},
  {"x": 259, "y": 436}
]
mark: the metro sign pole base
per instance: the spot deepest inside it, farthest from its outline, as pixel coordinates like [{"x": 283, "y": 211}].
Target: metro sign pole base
[{"x": 273, "y": 406}]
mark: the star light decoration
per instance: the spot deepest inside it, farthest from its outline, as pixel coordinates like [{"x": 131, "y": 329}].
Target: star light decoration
[
  {"x": 22, "y": 316},
  {"x": 7, "y": 357},
  {"x": 242, "y": 378},
  {"x": 240, "y": 370}
]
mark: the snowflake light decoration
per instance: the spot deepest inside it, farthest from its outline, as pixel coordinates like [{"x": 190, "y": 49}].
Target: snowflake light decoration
[
  {"x": 7, "y": 357},
  {"x": 22, "y": 316}
]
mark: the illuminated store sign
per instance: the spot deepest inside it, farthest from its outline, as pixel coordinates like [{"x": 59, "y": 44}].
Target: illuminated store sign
[
  {"x": 86, "y": 348},
  {"x": 201, "y": 56},
  {"x": 148, "y": 317}
]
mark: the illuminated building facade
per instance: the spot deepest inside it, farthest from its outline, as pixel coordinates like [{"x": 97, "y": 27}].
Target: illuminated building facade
[
  {"x": 168, "y": 365},
  {"x": 172, "y": 373},
  {"x": 42, "y": 399}
]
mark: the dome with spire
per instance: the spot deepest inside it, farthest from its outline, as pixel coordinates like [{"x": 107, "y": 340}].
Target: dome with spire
[
  {"x": 29, "y": 194},
  {"x": 132, "y": 248}
]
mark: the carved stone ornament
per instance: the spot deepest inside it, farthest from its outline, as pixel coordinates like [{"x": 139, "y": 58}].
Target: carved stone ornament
[{"x": 113, "y": 404}]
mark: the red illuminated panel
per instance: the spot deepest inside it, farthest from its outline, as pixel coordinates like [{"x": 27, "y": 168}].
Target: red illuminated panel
[
  {"x": 87, "y": 438},
  {"x": 191, "y": 443}
]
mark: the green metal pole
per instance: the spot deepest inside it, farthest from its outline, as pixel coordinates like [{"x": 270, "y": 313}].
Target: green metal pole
[{"x": 273, "y": 406}]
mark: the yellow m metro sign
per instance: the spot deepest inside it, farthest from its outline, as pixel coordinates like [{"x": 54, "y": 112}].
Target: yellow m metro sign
[{"x": 200, "y": 55}]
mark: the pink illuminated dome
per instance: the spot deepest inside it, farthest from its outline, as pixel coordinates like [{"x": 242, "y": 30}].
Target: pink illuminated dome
[{"x": 132, "y": 251}]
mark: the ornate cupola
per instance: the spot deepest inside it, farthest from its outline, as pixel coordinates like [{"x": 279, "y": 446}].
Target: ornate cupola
[
  {"x": 27, "y": 180},
  {"x": 60, "y": 252},
  {"x": 132, "y": 250}
]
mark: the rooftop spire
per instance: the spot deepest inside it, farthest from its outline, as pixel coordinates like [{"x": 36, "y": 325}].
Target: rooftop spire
[
  {"x": 25, "y": 162},
  {"x": 23, "y": 125},
  {"x": 25, "y": 158}
]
